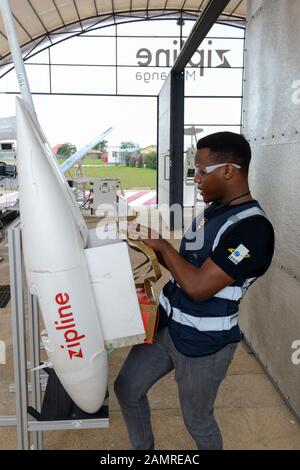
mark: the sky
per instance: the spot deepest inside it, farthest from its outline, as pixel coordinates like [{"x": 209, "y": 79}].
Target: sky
[{"x": 79, "y": 119}]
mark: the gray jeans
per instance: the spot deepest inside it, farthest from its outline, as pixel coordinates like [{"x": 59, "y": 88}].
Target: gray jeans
[{"x": 198, "y": 380}]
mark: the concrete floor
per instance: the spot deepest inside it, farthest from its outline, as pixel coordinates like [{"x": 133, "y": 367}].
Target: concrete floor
[{"x": 250, "y": 411}]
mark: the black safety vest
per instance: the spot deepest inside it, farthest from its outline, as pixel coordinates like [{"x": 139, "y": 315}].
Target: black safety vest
[{"x": 192, "y": 322}]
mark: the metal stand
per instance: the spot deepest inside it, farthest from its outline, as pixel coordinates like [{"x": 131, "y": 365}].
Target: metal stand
[{"x": 26, "y": 423}]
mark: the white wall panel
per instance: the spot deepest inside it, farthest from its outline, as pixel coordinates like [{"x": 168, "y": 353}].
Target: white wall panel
[{"x": 270, "y": 314}]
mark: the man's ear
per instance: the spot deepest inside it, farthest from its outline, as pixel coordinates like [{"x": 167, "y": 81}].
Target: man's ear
[{"x": 228, "y": 172}]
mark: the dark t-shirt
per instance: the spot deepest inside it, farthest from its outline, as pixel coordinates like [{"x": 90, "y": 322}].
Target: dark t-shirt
[
  {"x": 256, "y": 235},
  {"x": 253, "y": 235}
]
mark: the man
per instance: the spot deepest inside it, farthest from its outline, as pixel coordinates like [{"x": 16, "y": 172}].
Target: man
[{"x": 198, "y": 330}]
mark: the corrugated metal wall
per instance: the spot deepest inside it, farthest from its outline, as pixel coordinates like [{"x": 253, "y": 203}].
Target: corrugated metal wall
[{"x": 270, "y": 314}]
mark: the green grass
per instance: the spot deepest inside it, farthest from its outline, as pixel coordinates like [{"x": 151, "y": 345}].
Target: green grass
[
  {"x": 91, "y": 161},
  {"x": 130, "y": 177}
]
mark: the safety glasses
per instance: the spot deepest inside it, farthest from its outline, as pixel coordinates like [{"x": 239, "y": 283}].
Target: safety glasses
[{"x": 209, "y": 169}]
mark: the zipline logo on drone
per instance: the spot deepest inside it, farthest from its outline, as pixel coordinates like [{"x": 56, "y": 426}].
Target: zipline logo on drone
[{"x": 67, "y": 323}]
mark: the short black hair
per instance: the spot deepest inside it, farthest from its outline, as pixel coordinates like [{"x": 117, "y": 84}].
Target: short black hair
[{"x": 228, "y": 147}]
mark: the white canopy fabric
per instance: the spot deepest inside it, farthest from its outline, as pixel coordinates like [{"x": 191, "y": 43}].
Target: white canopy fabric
[{"x": 38, "y": 21}]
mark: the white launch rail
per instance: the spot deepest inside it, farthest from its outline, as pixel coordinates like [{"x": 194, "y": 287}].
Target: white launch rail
[{"x": 29, "y": 430}]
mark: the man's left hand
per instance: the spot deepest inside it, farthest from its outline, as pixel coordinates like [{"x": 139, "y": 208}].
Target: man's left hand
[{"x": 146, "y": 235}]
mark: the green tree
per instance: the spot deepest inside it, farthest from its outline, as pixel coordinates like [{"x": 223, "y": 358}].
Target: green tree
[
  {"x": 130, "y": 156},
  {"x": 139, "y": 160},
  {"x": 132, "y": 161},
  {"x": 128, "y": 145},
  {"x": 127, "y": 159},
  {"x": 67, "y": 149},
  {"x": 151, "y": 160},
  {"x": 101, "y": 146}
]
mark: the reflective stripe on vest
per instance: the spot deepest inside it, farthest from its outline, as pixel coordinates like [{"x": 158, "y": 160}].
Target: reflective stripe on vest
[
  {"x": 236, "y": 218},
  {"x": 235, "y": 292},
  {"x": 199, "y": 323},
  {"x": 230, "y": 292}
]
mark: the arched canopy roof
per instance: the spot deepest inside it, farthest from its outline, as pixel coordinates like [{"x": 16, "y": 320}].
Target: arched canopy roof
[{"x": 40, "y": 22}]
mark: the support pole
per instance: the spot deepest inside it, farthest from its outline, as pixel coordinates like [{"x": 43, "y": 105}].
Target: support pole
[
  {"x": 18, "y": 328},
  {"x": 16, "y": 53},
  {"x": 206, "y": 20},
  {"x": 34, "y": 342}
]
